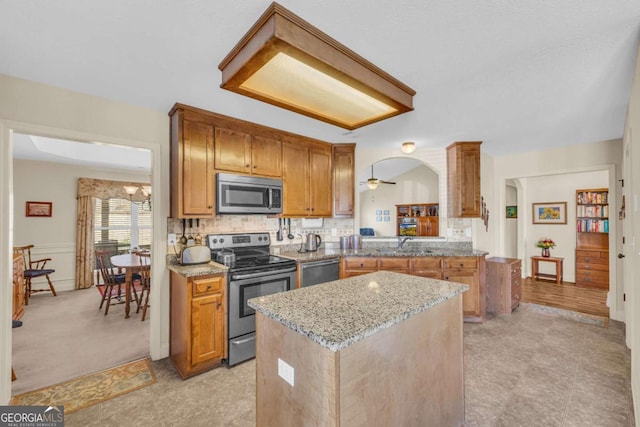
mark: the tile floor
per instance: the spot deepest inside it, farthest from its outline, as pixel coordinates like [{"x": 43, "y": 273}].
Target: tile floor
[{"x": 528, "y": 369}]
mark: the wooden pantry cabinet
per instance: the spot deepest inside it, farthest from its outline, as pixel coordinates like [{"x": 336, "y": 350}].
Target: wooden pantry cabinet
[
  {"x": 306, "y": 179},
  {"x": 198, "y": 323},
  {"x": 469, "y": 270},
  {"x": 504, "y": 284},
  {"x": 463, "y": 179},
  {"x": 592, "y": 238}
]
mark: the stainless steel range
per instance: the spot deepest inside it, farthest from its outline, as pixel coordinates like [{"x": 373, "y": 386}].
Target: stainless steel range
[{"x": 253, "y": 272}]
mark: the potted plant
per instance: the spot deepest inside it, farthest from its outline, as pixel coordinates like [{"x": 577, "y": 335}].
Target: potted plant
[{"x": 546, "y": 244}]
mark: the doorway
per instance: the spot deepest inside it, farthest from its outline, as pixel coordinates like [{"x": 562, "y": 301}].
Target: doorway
[{"x": 70, "y": 329}]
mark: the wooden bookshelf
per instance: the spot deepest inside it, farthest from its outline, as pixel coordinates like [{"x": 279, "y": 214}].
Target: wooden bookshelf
[
  {"x": 592, "y": 238},
  {"x": 418, "y": 219}
]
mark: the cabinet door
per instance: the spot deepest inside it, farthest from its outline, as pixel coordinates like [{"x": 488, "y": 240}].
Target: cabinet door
[
  {"x": 266, "y": 157},
  {"x": 198, "y": 178},
  {"x": 233, "y": 150},
  {"x": 463, "y": 179},
  {"x": 343, "y": 180},
  {"x": 207, "y": 328},
  {"x": 471, "y": 304},
  {"x": 320, "y": 183},
  {"x": 295, "y": 182}
]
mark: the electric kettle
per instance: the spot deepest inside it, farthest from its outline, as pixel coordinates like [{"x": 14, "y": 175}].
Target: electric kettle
[{"x": 313, "y": 242}]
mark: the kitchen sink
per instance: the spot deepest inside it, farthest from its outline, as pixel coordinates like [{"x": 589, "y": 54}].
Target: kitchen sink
[{"x": 401, "y": 252}]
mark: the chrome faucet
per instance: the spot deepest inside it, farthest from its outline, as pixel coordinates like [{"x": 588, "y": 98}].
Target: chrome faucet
[{"x": 401, "y": 240}]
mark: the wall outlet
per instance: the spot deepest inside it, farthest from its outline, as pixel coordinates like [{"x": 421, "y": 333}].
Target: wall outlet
[
  {"x": 285, "y": 371},
  {"x": 171, "y": 239}
]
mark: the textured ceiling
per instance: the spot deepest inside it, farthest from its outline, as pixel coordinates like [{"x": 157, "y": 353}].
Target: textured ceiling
[{"x": 518, "y": 75}]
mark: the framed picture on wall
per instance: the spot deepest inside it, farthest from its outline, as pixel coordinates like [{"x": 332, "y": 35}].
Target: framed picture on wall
[
  {"x": 39, "y": 209},
  {"x": 549, "y": 213},
  {"x": 512, "y": 212}
]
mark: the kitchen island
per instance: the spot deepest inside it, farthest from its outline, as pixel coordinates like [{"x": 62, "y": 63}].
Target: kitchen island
[{"x": 378, "y": 349}]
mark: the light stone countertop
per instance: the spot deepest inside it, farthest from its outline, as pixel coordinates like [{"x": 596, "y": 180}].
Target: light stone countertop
[
  {"x": 197, "y": 270},
  {"x": 380, "y": 252},
  {"x": 342, "y": 312}
]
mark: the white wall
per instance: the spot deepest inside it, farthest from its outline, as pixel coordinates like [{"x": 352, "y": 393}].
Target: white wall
[
  {"x": 419, "y": 185},
  {"x": 555, "y": 188},
  {"x": 33, "y": 108},
  {"x": 54, "y": 237},
  {"x": 511, "y": 224}
]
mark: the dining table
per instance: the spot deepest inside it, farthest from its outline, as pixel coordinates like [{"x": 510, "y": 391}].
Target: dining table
[{"x": 131, "y": 264}]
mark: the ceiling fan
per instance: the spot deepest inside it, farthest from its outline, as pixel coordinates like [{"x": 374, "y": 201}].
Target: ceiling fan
[{"x": 373, "y": 183}]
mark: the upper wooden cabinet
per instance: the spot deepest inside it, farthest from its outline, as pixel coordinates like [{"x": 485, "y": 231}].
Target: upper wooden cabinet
[
  {"x": 192, "y": 173},
  {"x": 463, "y": 179},
  {"x": 241, "y": 152},
  {"x": 343, "y": 180},
  {"x": 306, "y": 179}
]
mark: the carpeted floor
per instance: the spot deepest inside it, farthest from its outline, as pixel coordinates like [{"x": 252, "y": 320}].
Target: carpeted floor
[
  {"x": 68, "y": 336},
  {"x": 80, "y": 393}
]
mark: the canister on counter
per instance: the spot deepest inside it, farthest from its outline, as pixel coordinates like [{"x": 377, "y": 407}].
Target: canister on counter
[
  {"x": 356, "y": 241},
  {"x": 345, "y": 242}
]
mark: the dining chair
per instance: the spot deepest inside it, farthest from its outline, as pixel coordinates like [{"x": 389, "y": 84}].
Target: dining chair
[
  {"x": 145, "y": 281},
  {"x": 34, "y": 268},
  {"x": 113, "y": 282}
]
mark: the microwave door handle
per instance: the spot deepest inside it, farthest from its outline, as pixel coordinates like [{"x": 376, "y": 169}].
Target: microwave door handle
[{"x": 270, "y": 198}]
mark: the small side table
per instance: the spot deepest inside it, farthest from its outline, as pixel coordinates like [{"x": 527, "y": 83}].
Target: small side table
[{"x": 535, "y": 274}]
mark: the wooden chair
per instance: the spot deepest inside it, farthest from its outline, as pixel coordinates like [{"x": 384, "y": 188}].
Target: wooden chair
[
  {"x": 34, "y": 268},
  {"x": 145, "y": 280},
  {"x": 113, "y": 283}
]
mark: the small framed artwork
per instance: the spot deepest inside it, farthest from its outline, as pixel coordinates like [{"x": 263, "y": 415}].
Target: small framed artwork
[
  {"x": 385, "y": 212},
  {"x": 39, "y": 209},
  {"x": 512, "y": 212},
  {"x": 387, "y": 219},
  {"x": 550, "y": 213},
  {"x": 379, "y": 218},
  {"x": 379, "y": 212}
]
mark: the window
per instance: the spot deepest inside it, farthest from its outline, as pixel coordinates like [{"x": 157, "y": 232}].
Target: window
[{"x": 122, "y": 224}]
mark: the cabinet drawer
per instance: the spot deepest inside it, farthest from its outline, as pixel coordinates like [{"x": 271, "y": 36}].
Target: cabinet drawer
[
  {"x": 428, "y": 263},
  {"x": 516, "y": 270},
  {"x": 592, "y": 254},
  {"x": 460, "y": 262},
  {"x": 516, "y": 286},
  {"x": 590, "y": 266},
  {"x": 207, "y": 285},
  {"x": 592, "y": 273},
  {"x": 592, "y": 260},
  {"x": 356, "y": 263},
  {"x": 394, "y": 263},
  {"x": 582, "y": 279},
  {"x": 435, "y": 274}
]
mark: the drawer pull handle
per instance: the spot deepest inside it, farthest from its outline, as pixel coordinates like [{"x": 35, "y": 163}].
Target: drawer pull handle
[
  {"x": 587, "y": 260},
  {"x": 517, "y": 283},
  {"x": 208, "y": 287}
]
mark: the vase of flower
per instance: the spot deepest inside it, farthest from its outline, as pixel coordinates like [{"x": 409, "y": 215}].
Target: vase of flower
[{"x": 546, "y": 245}]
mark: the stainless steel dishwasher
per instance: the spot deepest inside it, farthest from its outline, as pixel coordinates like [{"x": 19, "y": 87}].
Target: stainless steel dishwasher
[{"x": 314, "y": 272}]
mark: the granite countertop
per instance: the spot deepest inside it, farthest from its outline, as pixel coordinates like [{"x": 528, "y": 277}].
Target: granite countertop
[
  {"x": 342, "y": 312},
  {"x": 380, "y": 252},
  {"x": 208, "y": 269}
]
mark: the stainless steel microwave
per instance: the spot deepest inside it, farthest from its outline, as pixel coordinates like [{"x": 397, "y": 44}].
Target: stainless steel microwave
[{"x": 243, "y": 194}]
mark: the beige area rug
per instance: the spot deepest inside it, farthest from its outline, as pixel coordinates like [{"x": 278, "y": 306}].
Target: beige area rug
[{"x": 94, "y": 388}]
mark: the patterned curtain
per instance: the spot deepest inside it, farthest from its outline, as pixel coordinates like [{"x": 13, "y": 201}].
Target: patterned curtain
[
  {"x": 84, "y": 243},
  {"x": 88, "y": 189}
]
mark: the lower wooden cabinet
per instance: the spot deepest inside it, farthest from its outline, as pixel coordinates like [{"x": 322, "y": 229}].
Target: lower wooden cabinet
[
  {"x": 592, "y": 269},
  {"x": 198, "y": 323},
  {"x": 469, "y": 270},
  {"x": 18, "y": 287},
  {"x": 504, "y": 284}
]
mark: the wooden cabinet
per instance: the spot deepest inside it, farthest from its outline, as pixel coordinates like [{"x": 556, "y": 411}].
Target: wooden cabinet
[
  {"x": 192, "y": 173},
  {"x": 18, "y": 286},
  {"x": 463, "y": 179},
  {"x": 417, "y": 219},
  {"x": 306, "y": 180},
  {"x": 469, "y": 270},
  {"x": 343, "y": 180},
  {"x": 504, "y": 284},
  {"x": 240, "y": 152},
  {"x": 592, "y": 238},
  {"x": 198, "y": 323}
]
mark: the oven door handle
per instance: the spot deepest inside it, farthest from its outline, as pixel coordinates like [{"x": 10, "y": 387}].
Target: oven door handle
[{"x": 262, "y": 274}]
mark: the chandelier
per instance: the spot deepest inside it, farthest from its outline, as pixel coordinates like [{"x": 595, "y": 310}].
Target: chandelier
[{"x": 131, "y": 190}]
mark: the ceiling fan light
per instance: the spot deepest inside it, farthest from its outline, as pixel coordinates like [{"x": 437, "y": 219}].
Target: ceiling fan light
[
  {"x": 408, "y": 147},
  {"x": 372, "y": 183}
]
